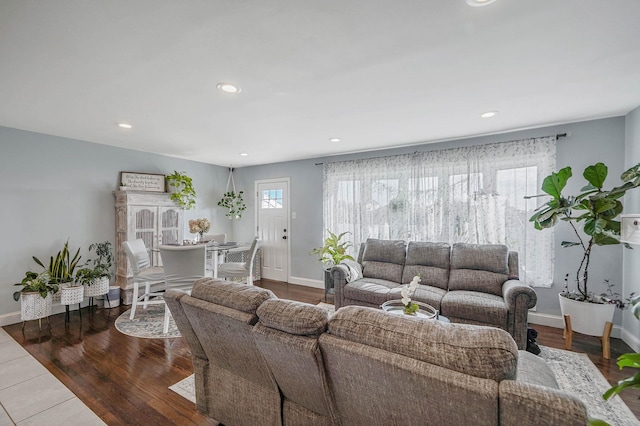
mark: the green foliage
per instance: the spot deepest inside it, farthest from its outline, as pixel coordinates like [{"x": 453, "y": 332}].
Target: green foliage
[
  {"x": 182, "y": 191},
  {"x": 62, "y": 266},
  {"x": 631, "y": 360},
  {"x": 34, "y": 282},
  {"x": 333, "y": 251},
  {"x": 593, "y": 208},
  {"x": 234, "y": 202},
  {"x": 411, "y": 308}
]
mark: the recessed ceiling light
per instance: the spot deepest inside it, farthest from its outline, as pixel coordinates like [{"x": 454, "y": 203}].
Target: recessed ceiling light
[
  {"x": 489, "y": 114},
  {"x": 125, "y": 125},
  {"x": 334, "y": 140},
  {"x": 478, "y": 3},
  {"x": 228, "y": 88},
  {"x": 243, "y": 154}
]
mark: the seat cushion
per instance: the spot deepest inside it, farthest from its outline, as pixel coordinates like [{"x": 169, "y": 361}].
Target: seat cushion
[
  {"x": 534, "y": 370},
  {"x": 485, "y": 352},
  {"x": 370, "y": 290},
  {"x": 152, "y": 273},
  {"x": 383, "y": 259},
  {"x": 475, "y": 307},
  {"x": 430, "y": 261},
  {"x": 479, "y": 267},
  {"x": 233, "y": 269},
  {"x": 424, "y": 293}
]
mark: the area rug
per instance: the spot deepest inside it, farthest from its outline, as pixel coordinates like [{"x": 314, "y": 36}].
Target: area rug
[{"x": 146, "y": 324}]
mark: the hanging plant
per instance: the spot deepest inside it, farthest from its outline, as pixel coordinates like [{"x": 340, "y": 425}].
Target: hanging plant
[
  {"x": 182, "y": 192},
  {"x": 232, "y": 200}
]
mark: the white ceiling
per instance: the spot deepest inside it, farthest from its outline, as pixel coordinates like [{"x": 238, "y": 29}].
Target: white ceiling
[{"x": 374, "y": 73}]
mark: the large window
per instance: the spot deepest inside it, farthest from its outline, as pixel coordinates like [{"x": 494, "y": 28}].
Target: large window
[{"x": 470, "y": 194}]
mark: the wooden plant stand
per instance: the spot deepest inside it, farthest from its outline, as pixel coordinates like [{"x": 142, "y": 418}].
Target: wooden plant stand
[{"x": 567, "y": 335}]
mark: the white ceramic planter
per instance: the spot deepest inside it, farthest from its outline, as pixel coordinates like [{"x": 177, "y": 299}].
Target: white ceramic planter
[
  {"x": 71, "y": 295},
  {"x": 33, "y": 306},
  {"x": 587, "y": 318},
  {"x": 98, "y": 287}
]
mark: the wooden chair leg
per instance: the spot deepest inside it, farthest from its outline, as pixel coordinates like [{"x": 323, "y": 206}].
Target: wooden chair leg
[
  {"x": 568, "y": 333},
  {"x": 606, "y": 334}
]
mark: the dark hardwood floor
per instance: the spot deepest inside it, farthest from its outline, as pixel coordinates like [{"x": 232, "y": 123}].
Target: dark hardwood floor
[{"x": 125, "y": 380}]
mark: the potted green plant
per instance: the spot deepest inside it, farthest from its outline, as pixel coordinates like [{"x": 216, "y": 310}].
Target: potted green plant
[
  {"x": 594, "y": 210},
  {"x": 35, "y": 296},
  {"x": 96, "y": 273},
  {"x": 61, "y": 272},
  {"x": 332, "y": 253},
  {"x": 631, "y": 360},
  {"x": 181, "y": 188},
  {"x": 234, "y": 202}
]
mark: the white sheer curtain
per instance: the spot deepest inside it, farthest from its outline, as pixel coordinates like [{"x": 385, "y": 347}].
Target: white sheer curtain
[{"x": 471, "y": 194}]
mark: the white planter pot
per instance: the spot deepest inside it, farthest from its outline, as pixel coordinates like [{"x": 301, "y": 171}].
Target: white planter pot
[
  {"x": 587, "y": 318},
  {"x": 33, "y": 306},
  {"x": 98, "y": 287},
  {"x": 71, "y": 295}
]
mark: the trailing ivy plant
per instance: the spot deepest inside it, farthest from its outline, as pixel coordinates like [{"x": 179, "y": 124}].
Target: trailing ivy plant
[
  {"x": 234, "y": 202},
  {"x": 182, "y": 192}
]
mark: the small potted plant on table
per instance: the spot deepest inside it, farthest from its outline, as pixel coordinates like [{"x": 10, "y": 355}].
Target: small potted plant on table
[{"x": 332, "y": 253}]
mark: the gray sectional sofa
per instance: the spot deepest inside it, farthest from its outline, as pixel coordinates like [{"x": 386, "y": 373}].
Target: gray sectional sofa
[
  {"x": 467, "y": 283},
  {"x": 268, "y": 361}
]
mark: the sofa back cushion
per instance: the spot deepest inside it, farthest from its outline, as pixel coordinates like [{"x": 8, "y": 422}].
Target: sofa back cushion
[
  {"x": 479, "y": 267},
  {"x": 287, "y": 335},
  {"x": 384, "y": 259},
  {"x": 484, "y": 352},
  {"x": 430, "y": 261}
]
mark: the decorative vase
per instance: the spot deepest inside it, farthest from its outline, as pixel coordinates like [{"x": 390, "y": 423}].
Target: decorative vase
[
  {"x": 70, "y": 295},
  {"x": 98, "y": 287},
  {"x": 587, "y": 318},
  {"x": 33, "y": 306}
]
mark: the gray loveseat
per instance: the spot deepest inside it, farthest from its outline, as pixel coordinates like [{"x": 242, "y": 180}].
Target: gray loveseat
[
  {"x": 268, "y": 361},
  {"x": 467, "y": 283}
]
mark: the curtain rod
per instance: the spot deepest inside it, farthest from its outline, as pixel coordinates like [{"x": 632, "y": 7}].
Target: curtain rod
[{"x": 558, "y": 136}]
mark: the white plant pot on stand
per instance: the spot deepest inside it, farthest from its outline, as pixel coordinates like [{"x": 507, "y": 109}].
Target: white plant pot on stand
[
  {"x": 98, "y": 287},
  {"x": 70, "y": 295},
  {"x": 33, "y": 306},
  {"x": 592, "y": 319}
]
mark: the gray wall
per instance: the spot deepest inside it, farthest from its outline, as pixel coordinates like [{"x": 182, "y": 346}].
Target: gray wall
[
  {"x": 588, "y": 142},
  {"x": 631, "y": 258},
  {"x": 55, "y": 188}
]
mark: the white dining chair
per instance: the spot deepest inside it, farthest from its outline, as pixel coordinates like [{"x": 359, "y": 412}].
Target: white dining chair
[
  {"x": 143, "y": 272},
  {"x": 241, "y": 269},
  {"x": 183, "y": 265},
  {"x": 218, "y": 238}
]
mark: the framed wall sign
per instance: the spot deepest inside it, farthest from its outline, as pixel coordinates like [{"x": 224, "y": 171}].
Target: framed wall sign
[{"x": 143, "y": 181}]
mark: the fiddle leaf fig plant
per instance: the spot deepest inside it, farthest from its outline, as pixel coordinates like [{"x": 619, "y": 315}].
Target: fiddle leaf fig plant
[
  {"x": 182, "y": 192},
  {"x": 594, "y": 209}
]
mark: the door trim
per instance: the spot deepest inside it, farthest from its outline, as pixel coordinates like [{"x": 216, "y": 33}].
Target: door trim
[{"x": 256, "y": 215}]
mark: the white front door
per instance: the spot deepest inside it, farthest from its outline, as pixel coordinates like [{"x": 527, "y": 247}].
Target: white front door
[{"x": 273, "y": 227}]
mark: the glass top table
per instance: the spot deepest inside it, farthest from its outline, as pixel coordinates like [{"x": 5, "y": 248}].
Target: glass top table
[{"x": 425, "y": 311}]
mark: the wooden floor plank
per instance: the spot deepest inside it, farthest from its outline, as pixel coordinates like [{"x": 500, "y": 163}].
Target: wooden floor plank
[{"x": 125, "y": 380}]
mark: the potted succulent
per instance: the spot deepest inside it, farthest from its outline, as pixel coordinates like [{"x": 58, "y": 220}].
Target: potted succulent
[
  {"x": 61, "y": 269},
  {"x": 181, "y": 188},
  {"x": 594, "y": 210},
  {"x": 96, "y": 273},
  {"x": 234, "y": 202},
  {"x": 35, "y": 296}
]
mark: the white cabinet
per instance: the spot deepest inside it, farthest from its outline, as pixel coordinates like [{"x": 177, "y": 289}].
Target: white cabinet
[{"x": 152, "y": 217}]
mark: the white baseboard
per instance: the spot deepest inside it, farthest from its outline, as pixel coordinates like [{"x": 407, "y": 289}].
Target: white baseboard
[
  {"x": 556, "y": 321},
  {"x": 14, "y": 317},
  {"x": 307, "y": 282},
  {"x": 631, "y": 340}
]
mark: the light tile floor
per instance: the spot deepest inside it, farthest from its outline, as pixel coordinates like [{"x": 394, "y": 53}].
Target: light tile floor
[{"x": 30, "y": 395}]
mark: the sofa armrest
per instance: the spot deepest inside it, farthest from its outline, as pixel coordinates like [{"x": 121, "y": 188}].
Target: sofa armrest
[
  {"x": 519, "y": 298},
  {"x": 528, "y": 405},
  {"x": 339, "y": 275}
]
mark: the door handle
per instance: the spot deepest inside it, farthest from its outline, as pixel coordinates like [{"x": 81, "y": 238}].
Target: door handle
[{"x": 284, "y": 237}]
